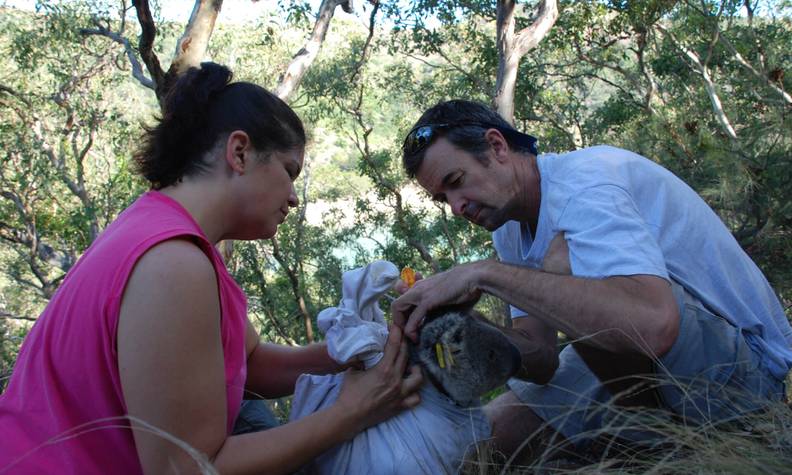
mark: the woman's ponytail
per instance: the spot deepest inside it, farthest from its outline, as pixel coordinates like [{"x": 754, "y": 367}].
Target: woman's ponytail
[{"x": 203, "y": 105}]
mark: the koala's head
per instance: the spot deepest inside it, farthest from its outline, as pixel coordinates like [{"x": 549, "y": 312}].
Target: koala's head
[{"x": 464, "y": 356}]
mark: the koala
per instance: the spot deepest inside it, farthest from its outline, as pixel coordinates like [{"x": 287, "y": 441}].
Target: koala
[{"x": 463, "y": 355}]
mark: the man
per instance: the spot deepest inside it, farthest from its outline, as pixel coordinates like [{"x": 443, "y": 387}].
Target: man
[{"x": 614, "y": 251}]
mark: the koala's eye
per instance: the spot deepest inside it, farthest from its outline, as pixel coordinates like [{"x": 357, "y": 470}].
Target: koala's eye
[{"x": 491, "y": 355}]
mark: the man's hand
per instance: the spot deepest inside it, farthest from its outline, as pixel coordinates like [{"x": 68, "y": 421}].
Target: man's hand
[
  {"x": 401, "y": 286},
  {"x": 458, "y": 285}
]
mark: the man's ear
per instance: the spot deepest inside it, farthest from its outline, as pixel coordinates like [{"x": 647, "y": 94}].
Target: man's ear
[
  {"x": 238, "y": 151},
  {"x": 499, "y": 145}
]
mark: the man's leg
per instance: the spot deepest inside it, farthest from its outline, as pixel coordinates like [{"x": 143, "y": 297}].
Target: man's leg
[
  {"x": 623, "y": 374},
  {"x": 515, "y": 427},
  {"x": 254, "y": 416},
  {"x": 552, "y": 419},
  {"x": 627, "y": 376},
  {"x": 713, "y": 371}
]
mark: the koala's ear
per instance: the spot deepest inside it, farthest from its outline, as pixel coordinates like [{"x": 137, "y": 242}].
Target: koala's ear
[{"x": 465, "y": 309}]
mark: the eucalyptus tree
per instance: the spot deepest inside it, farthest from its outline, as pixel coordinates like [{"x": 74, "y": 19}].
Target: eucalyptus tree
[
  {"x": 695, "y": 85},
  {"x": 62, "y": 130},
  {"x": 62, "y": 127},
  {"x": 518, "y": 29}
]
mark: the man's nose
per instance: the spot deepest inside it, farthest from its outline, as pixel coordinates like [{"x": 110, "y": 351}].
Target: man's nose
[
  {"x": 293, "y": 200},
  {"x": 458, "y": 205}
]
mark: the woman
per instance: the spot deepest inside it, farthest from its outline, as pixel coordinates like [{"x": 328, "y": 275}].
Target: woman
[{"x": 150, "y": 324}]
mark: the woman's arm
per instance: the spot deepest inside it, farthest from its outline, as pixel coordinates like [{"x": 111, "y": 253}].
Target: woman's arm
[
  {"x": 272, "y": 370},
  {"x": 367, "y": 398},
  {"x": 170, "y": 360}
]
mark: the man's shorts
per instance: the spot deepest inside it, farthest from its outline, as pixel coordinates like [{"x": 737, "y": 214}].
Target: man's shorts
[
  {"x": 711, "y": 374},
  {"x": 254, "y": 415}
]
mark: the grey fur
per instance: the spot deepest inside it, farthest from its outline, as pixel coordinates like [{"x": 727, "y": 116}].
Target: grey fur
[{"x": 482, "y": 358}]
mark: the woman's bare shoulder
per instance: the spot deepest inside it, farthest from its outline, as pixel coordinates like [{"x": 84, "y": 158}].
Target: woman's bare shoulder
[
  {"x": 174, "y": 277},
  {"x": 175, "y": 257}
]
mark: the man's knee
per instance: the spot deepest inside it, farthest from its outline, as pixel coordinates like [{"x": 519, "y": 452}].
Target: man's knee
[
  {"x": 627, "y": 376},
  {"x": 516, "y": 427}
]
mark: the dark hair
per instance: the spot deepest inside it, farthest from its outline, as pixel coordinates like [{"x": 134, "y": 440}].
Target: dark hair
[
  {"x": 468, "y": 135},
  {"x": 202, "y": 106}
]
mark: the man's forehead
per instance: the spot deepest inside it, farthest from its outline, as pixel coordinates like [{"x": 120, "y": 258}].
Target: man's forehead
[
  {"x": 430, "y": 177},
  {"x": 440, "y": 159}
]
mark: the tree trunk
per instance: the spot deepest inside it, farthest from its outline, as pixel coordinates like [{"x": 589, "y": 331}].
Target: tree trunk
[
  {"x": 304, "y": 58},
  {"x": 190, "y": 49},
  {"x": 294, "y": 280},
  {"x": 512, "y": 47}
]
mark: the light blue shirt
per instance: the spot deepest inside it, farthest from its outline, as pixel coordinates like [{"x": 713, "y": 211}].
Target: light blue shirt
[{"x": 625, "y": 215}]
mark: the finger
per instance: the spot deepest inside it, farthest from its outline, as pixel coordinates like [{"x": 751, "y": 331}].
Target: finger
[
  {"x": 399, "y": 311},
  {"x": 413, "y": 382},
  {"x": 418, "y": 276},
  {"x": 415, "y": 321},
  {"x": 401, "y": 287},
  {"x": 411, "y": 401},
  {"x": 393, "y": 345},
  {"x": 401, "y": 358}
]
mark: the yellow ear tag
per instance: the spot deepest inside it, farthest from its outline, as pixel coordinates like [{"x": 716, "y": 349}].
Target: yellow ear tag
[
  {"x": 408, "y": 276},
  {"x": 439, "y": 351}
]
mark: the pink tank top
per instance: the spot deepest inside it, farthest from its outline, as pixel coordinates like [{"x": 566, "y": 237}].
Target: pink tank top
[{"x": 63, "y": 409}]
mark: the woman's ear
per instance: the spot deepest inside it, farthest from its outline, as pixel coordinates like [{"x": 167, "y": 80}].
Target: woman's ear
[{"x": 238, "y": 151}]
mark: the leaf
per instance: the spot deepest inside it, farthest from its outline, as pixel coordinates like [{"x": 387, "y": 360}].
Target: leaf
[{"x": 408, "y": 276}]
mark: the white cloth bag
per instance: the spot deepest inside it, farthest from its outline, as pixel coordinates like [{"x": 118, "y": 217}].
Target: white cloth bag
[{"x": 429, "y": 439}]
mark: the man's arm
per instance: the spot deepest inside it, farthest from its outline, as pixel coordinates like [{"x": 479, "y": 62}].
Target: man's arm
[
  {"x": 624, "y": 313},
  {"x": 619, "y": 314}
]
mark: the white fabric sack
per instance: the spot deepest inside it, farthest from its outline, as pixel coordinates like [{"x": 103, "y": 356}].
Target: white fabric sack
[
  {"x": 429, "y": 439},
  {"x": 356, "y": 329}
]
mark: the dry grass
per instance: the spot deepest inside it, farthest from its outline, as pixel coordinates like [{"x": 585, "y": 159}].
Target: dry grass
[
  {"x": 759, "y": 442},
  {"x": 202, "y": 463}
]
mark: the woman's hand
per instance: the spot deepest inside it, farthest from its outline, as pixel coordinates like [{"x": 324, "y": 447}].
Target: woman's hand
[{"x": 382, "y": 391}]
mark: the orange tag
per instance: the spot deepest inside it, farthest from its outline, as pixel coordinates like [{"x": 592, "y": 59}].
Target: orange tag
[{"x": 408, "y": 276}]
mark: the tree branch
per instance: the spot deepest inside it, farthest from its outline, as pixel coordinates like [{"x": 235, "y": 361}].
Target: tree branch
[
  {"x": 9, "y": 316},
  {"x": 696, "y": 64},
  {"x": 511, "y": 48},
  {"x": 762, "y": 77},
  {"x": 137, "y": 69},
  {"x": 146, "y": 43}
]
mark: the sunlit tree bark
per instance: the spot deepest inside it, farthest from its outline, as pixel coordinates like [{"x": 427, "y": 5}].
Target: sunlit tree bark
[{"x": 513, "y": 46}]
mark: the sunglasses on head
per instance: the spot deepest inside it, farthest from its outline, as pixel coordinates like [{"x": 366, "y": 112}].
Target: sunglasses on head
[{"x": 420, "y": 137}]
